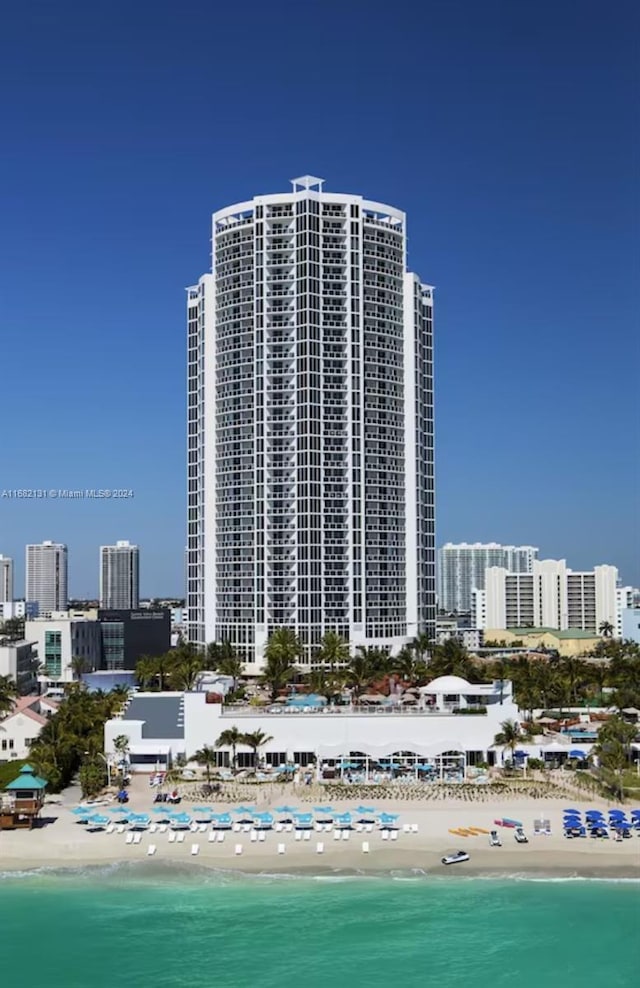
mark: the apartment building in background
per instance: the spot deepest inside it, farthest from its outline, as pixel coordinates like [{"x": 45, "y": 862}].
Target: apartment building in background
[
  {"x": 6, "y": 580},
  {"x": 46, "y": 577},
  {"x": 119, "y": 576},
  {"x": 551, "y": 596},
  {"x": 461, "y": 568}
]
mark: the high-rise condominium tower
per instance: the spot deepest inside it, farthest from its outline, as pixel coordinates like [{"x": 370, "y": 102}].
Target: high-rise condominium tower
[
  {"x": 461, "y": 569},
  {"x": 310, "y": 426},
  {"x": 6, "y": 579},
  {"x": 119, "y": 576},
  {"x": 46, "y": 572}
]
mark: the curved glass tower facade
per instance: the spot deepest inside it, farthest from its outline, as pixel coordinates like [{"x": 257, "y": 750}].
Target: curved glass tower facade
[{"x": 310, "y": 432}]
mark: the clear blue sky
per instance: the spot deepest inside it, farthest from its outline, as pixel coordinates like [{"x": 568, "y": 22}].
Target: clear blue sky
[{"x": 507, "y": 130}]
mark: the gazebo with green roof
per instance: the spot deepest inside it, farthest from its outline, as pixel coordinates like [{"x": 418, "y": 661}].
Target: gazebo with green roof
[{"x": 22, "y": 800}]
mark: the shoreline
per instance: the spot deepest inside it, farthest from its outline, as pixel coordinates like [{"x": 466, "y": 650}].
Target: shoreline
[{"x": 510, "y": 866}]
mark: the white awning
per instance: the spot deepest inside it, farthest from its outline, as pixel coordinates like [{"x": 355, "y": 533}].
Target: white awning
[
  {"x": 388, "y": 749},
  {"x": 146, "y": 748}
]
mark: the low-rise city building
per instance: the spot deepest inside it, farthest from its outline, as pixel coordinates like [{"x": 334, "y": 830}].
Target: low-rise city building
[
  {"x": 20, "y": 728},
  {"x": 58, "y": 640},
  {"x": 447, "y": 726},
  {"x": 19, "y": 661},
  {"x": 572, "y": 642}
]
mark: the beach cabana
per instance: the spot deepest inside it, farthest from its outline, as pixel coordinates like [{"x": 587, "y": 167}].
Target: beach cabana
[{"x": 22, "y": 800}]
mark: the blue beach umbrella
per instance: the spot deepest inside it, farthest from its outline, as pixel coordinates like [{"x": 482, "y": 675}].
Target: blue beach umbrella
[
  {"x": 98, "y": 820},
  {"x": 365, "y": 809},
  {"x": 571, "y": 810},
  {"x": 244, "y": 809},
  {"x": 577, "y": 753},
  {"x": 388, "y": 817},
  {"x": 286, "y": 809},
  {"x": 82, "y": 811},
  {"x": 323, "y": 809}
]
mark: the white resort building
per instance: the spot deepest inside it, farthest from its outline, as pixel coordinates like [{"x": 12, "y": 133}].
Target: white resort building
[
  {"x": 438, "y": 733},
  {"x": 310, "y": 427}
]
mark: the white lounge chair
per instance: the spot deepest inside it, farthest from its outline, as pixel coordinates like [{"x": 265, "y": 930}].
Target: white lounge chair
[
  {"x": 288, "y": 827},
  {"x": 163, "y": 828},
  {"x": 359, "y": 827},
  {"x": 337, "y": 834},
  {"x": 202, "y": 829},
  {"x": 346, "y": 834},
  {"x": 278, "y": 828},
  {"x": 236, "y": 828},
  {"x": 172, "y": 836},
  {"x": 254, "y": 836},
  {"x": 238, "y": 849},
  {"x": 365, "y": 847},
  {"x": 414, "y": 828},
  {"x": 369, "y": 828},
  {"x": 385, "y": 835},
  {"x": 212, "y": 837},
  {"x": 129, "y": 838},
  {"x": 261, "y": 836},
  {"x": 194, "y": 828},
  {"x": 328, "y": 827},
  {"x": 281, "y": 848},
  {"x": 137, "y": 838},
  {"x": 109, "y": 828},
  {"x": 120, "y": 828},
  {"x": 246, "y": 827},
  {"x": 307, "y": 835},
  {"x": 406, "y": 828},
  {"x": 318, "y": 826},
  {"x": 151, "y": 850},
  {"x": 298, "y": 835},
  {"x": 195, "y": 848},
  {"x": 319, "y": 848},
  {"x": 220, "y": 836},
  {"x": 152, "y": 828},
  {"x": 394, "y": 835},
  {"x": 180, "y": 837}
]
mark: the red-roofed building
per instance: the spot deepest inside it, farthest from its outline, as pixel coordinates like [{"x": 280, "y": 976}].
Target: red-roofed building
[{"x": 21, "y": 727}]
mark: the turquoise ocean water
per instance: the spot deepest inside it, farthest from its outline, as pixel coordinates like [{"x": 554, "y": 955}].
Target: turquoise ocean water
[{"x": 128, "y": 926}]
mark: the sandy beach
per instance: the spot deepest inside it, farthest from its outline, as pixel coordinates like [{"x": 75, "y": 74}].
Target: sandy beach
[{"x": 60, "y": 842}]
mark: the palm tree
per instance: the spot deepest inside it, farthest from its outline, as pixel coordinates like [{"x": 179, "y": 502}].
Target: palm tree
[
  {"x": 255, "y": 740},
  {"x": 576, "y": 673},
  {"x": 409, "y": 666},
  {"x": 606, "y": 629},
  {"x": 8, "y": 693},
  {"x": 421, "y": 646},
  {"x": 334, "y": 650},
  {"x": 79, "y": 666},
  {"x": 206, "y": 756},
  {"x": 228, "y": 662},
  {"x": 283, "y": 648},
  {"x": 164, "y": 666},
  {"x": 613, "y": 748},
  {"x": 145, "y": 671},
  {"x": 360, "y": 671},
  {"x": 508, "y": 736},
  {"x": 231, "y": 738},
  {"x": 118, "y": 696}
]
